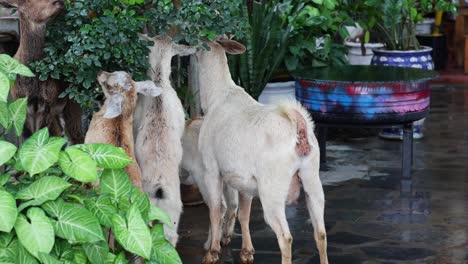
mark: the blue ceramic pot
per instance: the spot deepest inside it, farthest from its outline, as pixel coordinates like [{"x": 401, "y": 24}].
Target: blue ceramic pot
[{"x": 421, "y": 59}]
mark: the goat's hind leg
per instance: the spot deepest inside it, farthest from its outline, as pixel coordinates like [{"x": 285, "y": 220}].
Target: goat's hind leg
[
  {"x": 274, "y": 206},
  {"x": 315, "y": 200}
]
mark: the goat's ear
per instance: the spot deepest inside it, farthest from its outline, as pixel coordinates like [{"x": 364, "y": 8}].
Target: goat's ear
[
  {"x": 231, "y": 46},
  {"x": 148, "y": 88},
  {"x": 145, "y": 37},
  {"x": 9, "y": 3},
  {"x": 113, "y": 106},
  {"x": 183, "y": 50}
]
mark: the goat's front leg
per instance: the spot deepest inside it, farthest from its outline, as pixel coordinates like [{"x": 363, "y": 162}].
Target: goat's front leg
[
  {"x": 232, "y": 202},
  {"x": 247, "y": 252},
  {"x": 214, "y": 202}
]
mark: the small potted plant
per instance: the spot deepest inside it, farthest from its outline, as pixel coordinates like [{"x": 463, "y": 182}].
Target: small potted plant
[{"x": 397, "y": 25}]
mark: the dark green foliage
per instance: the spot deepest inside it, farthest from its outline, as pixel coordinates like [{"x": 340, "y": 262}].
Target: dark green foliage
[{"x": 93, "y": 36}]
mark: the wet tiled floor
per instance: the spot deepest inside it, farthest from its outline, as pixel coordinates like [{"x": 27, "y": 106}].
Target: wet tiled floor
[{"x": 368, "y": 220}]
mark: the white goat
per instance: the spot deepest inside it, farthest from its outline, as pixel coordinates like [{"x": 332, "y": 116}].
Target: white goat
[
  {"x": 113, "y": 124},
  {"x": 257, "y": 150},
  {"x": 192, "y": 163},
  {"x": 159, "y": 125}
]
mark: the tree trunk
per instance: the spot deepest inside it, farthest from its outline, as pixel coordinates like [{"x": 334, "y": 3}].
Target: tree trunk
[{"x": 194, "y": 87}]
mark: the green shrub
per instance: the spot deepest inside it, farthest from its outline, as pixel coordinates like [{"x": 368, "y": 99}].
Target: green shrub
[
  {"x": 46, "y": 213},
  {"x": 102, "y": 35}
]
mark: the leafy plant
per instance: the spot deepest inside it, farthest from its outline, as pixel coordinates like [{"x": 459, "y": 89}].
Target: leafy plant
[
  {"x": 293, "y": 33},
  {"x": 47, "y": 215},
  {"x": 196, "y": 21},
  {"x": 394, "y": 21},
  {"x": 102, "y": 35},
  {"x": 94, "y": 36}
]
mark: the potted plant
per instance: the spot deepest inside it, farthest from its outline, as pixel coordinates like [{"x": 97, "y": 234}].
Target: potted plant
[
  {"x": 359, "y": 47},
  {"x": 283, "y": 36},
  {"x": 396, "y": 23}
]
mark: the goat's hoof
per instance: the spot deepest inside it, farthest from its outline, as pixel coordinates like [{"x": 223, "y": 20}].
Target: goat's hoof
[
  {"x": 247, "y": 256},
  {"x": 211, "y": 257},
  {"x": 226, "y": 241}
]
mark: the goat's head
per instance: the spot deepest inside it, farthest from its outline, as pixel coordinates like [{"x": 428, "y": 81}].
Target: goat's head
[
  {"x": 162, "y": 51},
  {"x": 37, "y": 11},
  {"x": 219, "y": 47},
  {"x": 42, "y": 114},
  {"x": 120, "y": 91}
]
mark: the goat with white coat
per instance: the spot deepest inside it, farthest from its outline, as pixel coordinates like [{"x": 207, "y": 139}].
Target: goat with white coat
[
  {"x": 257, "y": 150},
  {"x": 192, "y": 163},
  {"x": 113, "y": 124},
  {"x": 159, "y": 125}
]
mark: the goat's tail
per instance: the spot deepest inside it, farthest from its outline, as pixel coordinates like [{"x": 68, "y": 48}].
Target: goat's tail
[{"x": 300, "y": 118}]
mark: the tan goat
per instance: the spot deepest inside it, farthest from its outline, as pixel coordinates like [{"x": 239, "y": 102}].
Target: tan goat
[
  {"x": 159, "y": 125},
  {"x": 113, "y": 124}
]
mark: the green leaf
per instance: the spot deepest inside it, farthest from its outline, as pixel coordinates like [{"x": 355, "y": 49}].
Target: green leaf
[
  {"x": 9, "y": 250},
  {"x": 45, "y": 189},
  {"x": 74, "y": 222},
  {"x": 120, "y": 259},
  {"x": 96, "y": 252},
  {"x": 4, "y": 178},
  {"x": 40, "y": 152},
  {"x": 78, "y": 165},
  {"x": 17, "y": 112},
  {"x": 7, "y": 151},
  {"x": 4, "y": 87},
  {"x": 157, "y": 213},
  {"x": 11, "y": 65},
  {"x": 157, "y": 233},
  {"x": 24, "y": 257},
  {"x": 162, "y": 252},
  {"x": 48, "y": 259},
  {"x": 80, "y": 256},
  {"x": 115, "y": 183},
  {"x": 132, "y": 233},
  {"x": 4, "y": 116},
  {"x": 37, "y": 236},
  {"x": 103, "y": 209},
  {"x": 140, "y": 199},
  {"x": 107, "y": 156},
  {"x": 8, "y": 211}
]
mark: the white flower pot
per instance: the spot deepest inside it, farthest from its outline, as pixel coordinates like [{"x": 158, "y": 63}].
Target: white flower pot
[
  {"x": 276, "y": 92},
  {"x": 355, "y": 56},
  {"x": 425, "y": 27}
]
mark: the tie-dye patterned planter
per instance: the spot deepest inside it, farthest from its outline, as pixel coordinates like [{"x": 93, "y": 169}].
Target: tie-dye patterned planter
[
  {"x": 421, "y": 59},
  {"x": 365, "y": 94},
  {"x": 369, "y": 96}
]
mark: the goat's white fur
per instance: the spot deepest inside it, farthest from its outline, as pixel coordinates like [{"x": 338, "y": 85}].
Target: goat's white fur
[
  {"x": 192, "y": 163},
  {"x": 252, "y": 148},
  {"x": 159, "y": 125}
]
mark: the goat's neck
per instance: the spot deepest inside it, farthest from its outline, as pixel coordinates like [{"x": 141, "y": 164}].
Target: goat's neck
[
  {"x": 160, "y": 71},
  {"x": 215, "y": 81},
  {"x": 32, "y": 39}
]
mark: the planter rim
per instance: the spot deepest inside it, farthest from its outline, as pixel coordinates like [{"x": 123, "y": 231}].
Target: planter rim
[
  {"x": 367, "y": 45},
  {"x": 423, "y": 49}
]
